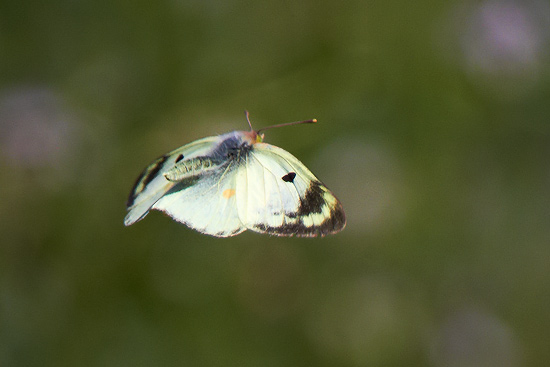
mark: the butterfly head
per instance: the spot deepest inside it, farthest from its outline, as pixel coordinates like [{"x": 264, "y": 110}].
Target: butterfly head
[
  {"x": 251, "y": 137},
  {"x": 255, "y": 136}
]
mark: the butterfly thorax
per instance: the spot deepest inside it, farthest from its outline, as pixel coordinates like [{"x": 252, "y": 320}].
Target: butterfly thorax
[
  {"x": 232, "y": 148},
  {"x": 236, "y": 145}
]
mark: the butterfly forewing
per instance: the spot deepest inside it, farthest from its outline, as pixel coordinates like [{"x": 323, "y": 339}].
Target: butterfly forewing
[
  {"x": 295, "y": 202},
  {"x": 258, "y": 197},
  {"x": 151, "y": 185}
]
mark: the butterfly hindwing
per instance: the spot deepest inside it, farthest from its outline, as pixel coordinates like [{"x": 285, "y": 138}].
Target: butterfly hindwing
[{"x": 206, "y": 204}]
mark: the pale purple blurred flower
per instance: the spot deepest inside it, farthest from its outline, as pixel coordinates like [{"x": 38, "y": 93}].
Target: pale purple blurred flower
[
  {"x": 503, "y": 46},
  {"x": 36, "y": 129},
  {"x": 505, "y": 36}
]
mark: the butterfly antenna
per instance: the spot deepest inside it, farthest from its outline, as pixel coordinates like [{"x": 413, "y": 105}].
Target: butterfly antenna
[
  {"x": 248, "y": 120},
  {"x": 288, "y": 124}
]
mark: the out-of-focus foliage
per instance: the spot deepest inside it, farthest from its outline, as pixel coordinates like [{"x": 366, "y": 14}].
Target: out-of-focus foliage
[{"x": 433, "y": 130}]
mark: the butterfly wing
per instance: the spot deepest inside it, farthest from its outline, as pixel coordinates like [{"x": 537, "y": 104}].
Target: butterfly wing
[
  {"x": 277, "y": 194},
  {"x": 206, "y": 203},
  {"x": 151, "y": 185},
  {"x": 223, "y": 185}
]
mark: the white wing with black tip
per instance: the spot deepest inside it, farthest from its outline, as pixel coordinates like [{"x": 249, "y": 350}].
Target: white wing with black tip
[{"x": 277, "y": 194}]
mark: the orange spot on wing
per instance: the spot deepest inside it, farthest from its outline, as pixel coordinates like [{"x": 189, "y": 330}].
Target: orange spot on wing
[{"x": 228, "y": 193}]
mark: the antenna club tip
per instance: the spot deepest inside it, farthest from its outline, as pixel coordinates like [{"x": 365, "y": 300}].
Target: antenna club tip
[{"x": 313, "y": 120}]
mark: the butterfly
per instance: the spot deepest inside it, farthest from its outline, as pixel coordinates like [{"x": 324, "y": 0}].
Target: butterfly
[{"x": 223, "y": 185}]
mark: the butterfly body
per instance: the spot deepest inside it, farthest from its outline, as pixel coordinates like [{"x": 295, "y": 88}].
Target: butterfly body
[{"x": 224, "y": 185}]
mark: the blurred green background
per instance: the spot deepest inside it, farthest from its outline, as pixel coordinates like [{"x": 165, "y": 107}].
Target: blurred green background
[{"x": 433, "y": 131}]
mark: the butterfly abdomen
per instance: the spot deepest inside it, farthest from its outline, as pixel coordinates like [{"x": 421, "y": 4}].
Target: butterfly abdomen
[{"x": 190, "y": 167}]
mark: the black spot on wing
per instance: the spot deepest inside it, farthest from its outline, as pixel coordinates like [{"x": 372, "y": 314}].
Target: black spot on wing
[
  {"x": 289, "y": 177},
  {"x": 179, "y": 158},
  {"x": 144, "y": 178}
]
